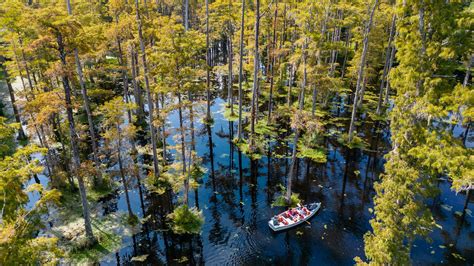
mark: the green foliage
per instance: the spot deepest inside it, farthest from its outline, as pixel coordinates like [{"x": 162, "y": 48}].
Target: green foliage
[
  {"x": 197, "y": 172},
  {"x": 281, "y": 201},
  {"x": 185, "y": 220},
  {"x": 244, "y": 147},
  {"x": 17, "y": 247},
  {"x": 17, "y": 242},
  {"x": 15, "y": 170},
  {"x": 7, "y": 133},
  {"x": 265, "y": 130},
  {"x": 309, "y": 46},
  {"x": 316, "y": 155},
  {"x": 78, "y": 252},
  {"x": 160, "y": 184},
  {"x": 423, "y": 145},
  {"x": 228, "y": 114},
  {"x": 356, "y": 143},
  {"x": 309, "y": 146},
  {"x": 400, "y": 211}
]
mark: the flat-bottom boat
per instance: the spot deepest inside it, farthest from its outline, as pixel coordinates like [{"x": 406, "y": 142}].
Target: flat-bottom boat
[{"x": 293, "y": 217}]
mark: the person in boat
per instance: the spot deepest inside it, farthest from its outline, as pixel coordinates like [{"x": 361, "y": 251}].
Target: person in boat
[
  {"x": 290, "y": 215},
  {"x": 294, "y": 214},
  {"x": 293, "y": 211},
  {"x": 301, "y": 215},
  {"x": 282, "y": 220},
  {"x": 306, "y": 210}
]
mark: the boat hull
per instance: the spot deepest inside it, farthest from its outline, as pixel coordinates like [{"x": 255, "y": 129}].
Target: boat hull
[{"x": 284, "y": 227}]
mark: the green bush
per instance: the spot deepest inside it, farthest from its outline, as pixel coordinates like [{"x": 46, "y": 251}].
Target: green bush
[
  {"x": 185, "y": 220},
  {"x": 281, "y": 201}
]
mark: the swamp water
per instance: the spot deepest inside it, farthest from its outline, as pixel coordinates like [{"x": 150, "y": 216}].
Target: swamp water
[{"x": 235, "y": 196}]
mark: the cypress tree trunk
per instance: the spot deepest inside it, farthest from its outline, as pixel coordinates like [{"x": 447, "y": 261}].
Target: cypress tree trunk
[
  {"x": 191, "y": 121},
  {"x": 48, "y": 157},
  {"x": 466, "y": 132},
  {"x": 86, "y": 105},
  {"x": 186, "y": 15},
  {"x": 468, "y": 195},
  {"x": 360, "y": 72},
  {"x": 74, "y": 142},
  {"x": 25, "y": 63},
  {"x": 43, "y": 144},
  {"x": 465, "y": 83},
  {"x": 242, "y": 29},
  {"x": 272, "y": 63},
  {"x": 208, "y": 66},
  {"x": 296, "y": 137},
  {"x": 183, "y": 151},
  {"x": 388, "y": 54},
  {"x": 17, "y": 62},
  {"x": 163, "y": 129},
  {"x": 16, "y": 113},
  {"x": 387, "y": 84},
  {"x": 362, "y": 91},
  {"x": 124, "y": 74},
  {"x": 313, "y": 108},
  {"x": 346, "y": 50},
  {"x": 255, "y": 79},
  {"x": 290, "y": 84},
  {"x": 122, "y": 172},
  {"x": 230, "y": 96},
  {"x": 335, "y": 38},
  {"x": 136, "y": 88},
  {"x": 88, "y": 112},
  {"x": 191, "y": 118},
  {"x": 468, "y": 72},
  {"x": 147, "y": 87}
]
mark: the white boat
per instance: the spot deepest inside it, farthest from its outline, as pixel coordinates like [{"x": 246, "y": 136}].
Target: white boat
[{"x": 284, "y": 221}]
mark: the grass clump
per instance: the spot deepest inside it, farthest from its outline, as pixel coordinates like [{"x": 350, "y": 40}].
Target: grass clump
[
  {"x": 72, "y": 240},
  {"x": 107, "y": 242}
]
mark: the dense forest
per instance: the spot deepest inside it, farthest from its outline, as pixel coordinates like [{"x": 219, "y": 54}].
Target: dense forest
[{"x": 170, "y": 132}]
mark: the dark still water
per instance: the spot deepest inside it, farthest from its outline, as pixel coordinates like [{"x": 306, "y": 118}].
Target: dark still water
[{"x": 236, "y": 194}]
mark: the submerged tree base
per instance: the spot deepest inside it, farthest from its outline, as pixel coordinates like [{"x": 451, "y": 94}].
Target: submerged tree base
[
  {"x": 67, "y": 225},
  {"x": 207, "y": 121},
  {"x": 185, "y": 220},
  {"x": 109, "y": 232},
  {"x": 356, "y": 143},
  {"x": 244, "y": 147},
  {"x": 228, "y": 115},
  {"x": 282, "y": 201}
]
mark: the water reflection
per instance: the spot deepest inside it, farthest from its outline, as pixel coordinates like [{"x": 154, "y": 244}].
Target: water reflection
[{"x": 236, "y": 194}]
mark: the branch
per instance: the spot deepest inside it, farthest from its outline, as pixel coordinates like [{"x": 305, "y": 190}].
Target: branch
[{"x": 264, "y": 13}]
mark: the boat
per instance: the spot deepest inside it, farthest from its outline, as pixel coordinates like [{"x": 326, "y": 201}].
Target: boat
[{"x": 302, "y": 214}]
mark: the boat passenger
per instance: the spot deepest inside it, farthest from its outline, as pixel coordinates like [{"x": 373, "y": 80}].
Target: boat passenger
[
  {"x": 280, "y": 219},
  {"x": 306, "y": 210}
]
